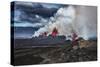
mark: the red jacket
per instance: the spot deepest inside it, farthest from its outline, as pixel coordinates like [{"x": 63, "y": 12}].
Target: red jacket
[{"x": 54, "y": 32}]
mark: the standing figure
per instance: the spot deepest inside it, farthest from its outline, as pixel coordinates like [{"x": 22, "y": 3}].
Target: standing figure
[
  {"x": 74, "y": 39},
  {"x": 54, "y": 32}
]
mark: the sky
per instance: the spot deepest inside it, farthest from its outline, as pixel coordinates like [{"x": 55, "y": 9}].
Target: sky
[
  {"x": 25, "y": 13},
  {"x": 38, "y": 15}
]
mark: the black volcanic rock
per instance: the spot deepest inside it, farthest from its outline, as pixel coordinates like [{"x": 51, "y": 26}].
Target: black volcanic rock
[{"x": 46, "y": 55}]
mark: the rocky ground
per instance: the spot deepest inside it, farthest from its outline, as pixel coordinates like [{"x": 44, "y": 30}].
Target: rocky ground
[{"x": 47, "y": 55}]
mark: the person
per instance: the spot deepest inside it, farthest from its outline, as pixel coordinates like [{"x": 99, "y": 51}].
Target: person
[
  {"x": 54, "y": 32},
  {"x": 74, "y": 40}
]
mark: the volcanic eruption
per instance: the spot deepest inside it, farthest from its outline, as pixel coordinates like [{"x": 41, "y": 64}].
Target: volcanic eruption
[{"x": 81, "y": 20}]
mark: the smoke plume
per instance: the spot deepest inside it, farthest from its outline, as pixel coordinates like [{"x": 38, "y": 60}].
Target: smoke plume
[{"x": 79, "y": 19}]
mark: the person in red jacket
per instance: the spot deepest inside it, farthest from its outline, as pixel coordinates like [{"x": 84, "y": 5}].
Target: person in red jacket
[
  {"x": 74, "y": 39},
  {"x": 54, "y": 32},
  {"x": 44, "y": 34}
]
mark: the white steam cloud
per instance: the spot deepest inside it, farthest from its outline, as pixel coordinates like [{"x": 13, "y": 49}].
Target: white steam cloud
[{"x": 71, "y": 18}]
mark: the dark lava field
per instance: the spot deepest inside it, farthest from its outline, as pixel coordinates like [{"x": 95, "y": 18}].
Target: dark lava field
[{"x": 49, "y": 55}]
